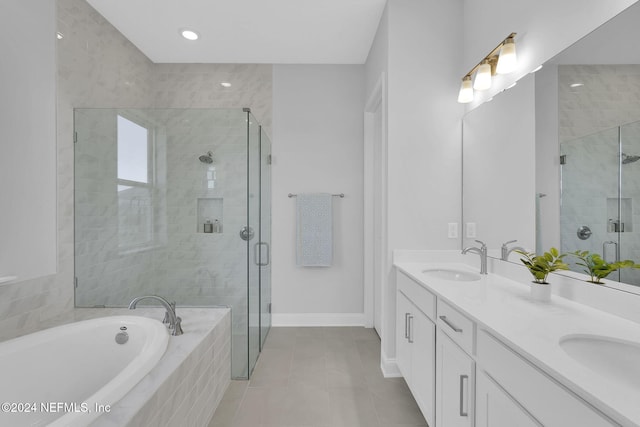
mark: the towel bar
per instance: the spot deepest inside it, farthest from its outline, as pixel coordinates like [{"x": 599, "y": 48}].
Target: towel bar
[{"x": 341, "y": 195}]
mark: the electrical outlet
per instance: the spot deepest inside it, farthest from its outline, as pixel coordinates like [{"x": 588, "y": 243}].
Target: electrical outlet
[
  {"x": 452, "y": 232},
  {"x": 471, "y": 230}
]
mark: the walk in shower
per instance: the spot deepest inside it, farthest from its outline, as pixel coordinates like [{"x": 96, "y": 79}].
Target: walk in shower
[
  {"x": 176, "y": 203},
  {"x": 600, "y": 210}
]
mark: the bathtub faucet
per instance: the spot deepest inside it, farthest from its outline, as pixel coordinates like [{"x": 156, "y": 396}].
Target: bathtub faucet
[{"x": 174, "y": 321}]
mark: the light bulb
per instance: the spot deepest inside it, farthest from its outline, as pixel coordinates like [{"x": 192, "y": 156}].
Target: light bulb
[
  {"x": 466, "y": 91},
  {"x": 483, "y": 76},
  {"x": 507, "y": 60}
]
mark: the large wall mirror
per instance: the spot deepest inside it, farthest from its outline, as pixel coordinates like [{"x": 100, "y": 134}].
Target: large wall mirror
[{"x": 555, "y": 160}]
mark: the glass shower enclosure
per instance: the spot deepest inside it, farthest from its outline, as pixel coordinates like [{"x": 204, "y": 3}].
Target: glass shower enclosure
[
  {"x": 600, "y": 197},
  {"x": 176, "y": 203}
]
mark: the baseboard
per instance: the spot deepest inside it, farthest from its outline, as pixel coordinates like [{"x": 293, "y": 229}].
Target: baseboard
[
  {"x": 317, "y": 319},
  {"x": 389, "y": 367}
]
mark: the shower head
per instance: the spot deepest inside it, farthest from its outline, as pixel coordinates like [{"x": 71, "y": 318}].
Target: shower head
[
  {"x": 206, "y": 158},
  {"x": 626, "y": 159}
]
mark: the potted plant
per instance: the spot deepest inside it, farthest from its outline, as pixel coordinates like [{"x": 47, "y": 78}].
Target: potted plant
[
  {"x": 597, "y": 268},
  {"x": 540, "y": 266}
]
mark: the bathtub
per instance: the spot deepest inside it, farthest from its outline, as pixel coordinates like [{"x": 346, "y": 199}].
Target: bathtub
[{"x": 72, "y": 374}]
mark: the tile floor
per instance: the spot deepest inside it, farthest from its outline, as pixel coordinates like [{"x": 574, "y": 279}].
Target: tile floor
[{"x": 319, "y": 377}]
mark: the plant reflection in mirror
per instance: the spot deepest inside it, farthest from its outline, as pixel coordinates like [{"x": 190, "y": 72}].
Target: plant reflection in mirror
[{"x": 597, "y": 268}]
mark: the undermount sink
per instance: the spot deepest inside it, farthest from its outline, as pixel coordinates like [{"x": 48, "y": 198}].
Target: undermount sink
[
  {"x": 451, "y": 274},
  {"x": 610, "y": 357}
]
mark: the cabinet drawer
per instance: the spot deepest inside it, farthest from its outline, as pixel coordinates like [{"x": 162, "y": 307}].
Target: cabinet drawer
[
  {"x": 457, "y": 326},
  {"x": 422, "y": 298},
  {"x": 549, "y": 402}
]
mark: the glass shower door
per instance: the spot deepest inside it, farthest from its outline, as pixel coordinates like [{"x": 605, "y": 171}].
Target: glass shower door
[
  {"x": 265, "y": 237},
  {"x": 253, "y": 240},
  {"x": 589, "y": 199},
  {"x": 629, "y": 238}
]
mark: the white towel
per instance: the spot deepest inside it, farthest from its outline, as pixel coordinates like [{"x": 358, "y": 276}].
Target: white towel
[{"x": 314, "y": 226}]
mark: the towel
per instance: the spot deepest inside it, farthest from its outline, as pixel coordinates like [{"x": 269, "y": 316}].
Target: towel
[{"x": 314, "y": 226}]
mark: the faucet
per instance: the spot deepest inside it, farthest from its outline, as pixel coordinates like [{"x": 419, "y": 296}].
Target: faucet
[
  {"x": 173, "y": 320},
  {"x": 482, "y": 251},
  {"x": 505, "y": 251}
]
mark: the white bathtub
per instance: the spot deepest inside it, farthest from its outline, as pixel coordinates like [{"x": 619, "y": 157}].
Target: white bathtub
[{"x": 71, "y": 374}]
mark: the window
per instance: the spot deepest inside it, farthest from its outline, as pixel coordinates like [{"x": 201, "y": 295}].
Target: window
[{"x": 135, "y": 184}]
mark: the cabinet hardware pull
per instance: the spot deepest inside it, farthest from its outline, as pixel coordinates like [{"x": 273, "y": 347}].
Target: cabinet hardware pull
[
  {"x": 406, "y": 325},
  {"x": 463, "y": 412},
  {"x": 449, "y": 324},
  {"x": 410, "y": 329}
]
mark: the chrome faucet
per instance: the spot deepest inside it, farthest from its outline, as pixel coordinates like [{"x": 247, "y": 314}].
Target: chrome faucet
[
  {"x": 482, "y": 251},
  {"x": 173, "y": 320},
  {"x": 505, "y": 250}
]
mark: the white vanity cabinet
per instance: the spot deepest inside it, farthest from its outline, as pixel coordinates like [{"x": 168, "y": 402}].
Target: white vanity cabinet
[
  {"x": 495, "y": 408},
  {"x": 548, "y": 402},
  {"x": 416, "y": 340},
  {"x": 454, "y": 384}
]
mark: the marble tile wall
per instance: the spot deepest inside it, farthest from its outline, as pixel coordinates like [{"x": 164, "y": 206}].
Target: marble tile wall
[
  {"x": 100, "y": 68},
  {"x": 609, "y": 97},
  {"x": 588, "y": 120}
]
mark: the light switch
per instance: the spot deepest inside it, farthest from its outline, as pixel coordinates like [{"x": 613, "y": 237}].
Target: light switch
[
  {"x": 452, "y": 232},
  {"x": 471, "y": 230}
]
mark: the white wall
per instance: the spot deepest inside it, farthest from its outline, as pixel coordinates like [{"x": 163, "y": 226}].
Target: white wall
[
  {"x": 420, "y": 39},
  {"x": 544, "y": 29},
  {"x": 28, "y": 144},
  {"x": 317, "y": 147}
]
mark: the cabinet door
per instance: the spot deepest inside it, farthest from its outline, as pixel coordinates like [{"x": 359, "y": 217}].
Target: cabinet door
[
  {"x": 423, "y": 364},
  {"x": 495, "y": 408},
  {"x": 454, "y": 384},
  {"x": 404, "y": 310}
]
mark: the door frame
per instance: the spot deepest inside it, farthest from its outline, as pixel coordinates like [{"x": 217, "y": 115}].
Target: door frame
[{"x": 375, "y": 189}]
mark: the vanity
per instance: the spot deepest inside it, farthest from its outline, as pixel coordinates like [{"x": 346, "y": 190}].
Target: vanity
[{"x": 476, "y": 350}]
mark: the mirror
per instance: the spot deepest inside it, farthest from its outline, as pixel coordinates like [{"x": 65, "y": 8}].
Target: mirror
[{"x": 582, "y": 104}]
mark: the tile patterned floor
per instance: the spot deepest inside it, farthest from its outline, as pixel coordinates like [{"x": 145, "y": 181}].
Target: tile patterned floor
[{"x": 319, "y": 377}]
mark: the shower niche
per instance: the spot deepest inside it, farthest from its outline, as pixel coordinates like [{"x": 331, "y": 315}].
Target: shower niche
[{"x": 209, "y": 219}]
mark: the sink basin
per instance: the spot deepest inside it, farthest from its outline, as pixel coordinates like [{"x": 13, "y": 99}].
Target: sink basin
[
  {"x": 610, "y": 357},
  {"x": 451, "y": 274}
]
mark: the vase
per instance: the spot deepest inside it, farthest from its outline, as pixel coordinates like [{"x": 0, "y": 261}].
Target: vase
[{"x": 540, "y": 292}]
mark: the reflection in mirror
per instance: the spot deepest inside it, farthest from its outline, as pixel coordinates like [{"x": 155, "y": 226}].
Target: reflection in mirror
[
  {"x": 598, "y": 91},
  {"x": 499, "y": 169},
  {"x": 585, "y": 106}
]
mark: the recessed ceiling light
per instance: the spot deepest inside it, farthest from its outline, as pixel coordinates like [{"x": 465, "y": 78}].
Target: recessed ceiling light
[
  {"x": 225, "y": 84},
  {"x": 576, "y": 84},
  {"x": 59, "y": 35},
  {"x": 189, "y": 34}
]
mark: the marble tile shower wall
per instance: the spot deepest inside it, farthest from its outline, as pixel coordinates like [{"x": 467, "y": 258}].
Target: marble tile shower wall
[
  {"x": 590, "y": 192},
  {"x": 98, "y": 67},
  {"x": 609, "y": 97}
]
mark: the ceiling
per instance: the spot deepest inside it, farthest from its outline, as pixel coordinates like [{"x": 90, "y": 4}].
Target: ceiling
[{"x": 248, "y": 31}]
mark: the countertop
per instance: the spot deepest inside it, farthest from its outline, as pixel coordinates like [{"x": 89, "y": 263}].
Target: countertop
[{"x": 503, "y": 307}]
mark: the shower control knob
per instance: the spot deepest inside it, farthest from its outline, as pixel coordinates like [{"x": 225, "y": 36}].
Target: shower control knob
[
  {"x": 247, "y": 233},
  {"x": 584, "y": 232}
]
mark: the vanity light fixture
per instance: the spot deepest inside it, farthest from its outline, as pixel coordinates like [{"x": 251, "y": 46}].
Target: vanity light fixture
[
  {"x": 225, "y": 84},
  {"x": 189, "y": 34},
  {"x": 483, "y": 76},
  {"x": 466, "y": 91},
  {"x": 500, "y": 60}
]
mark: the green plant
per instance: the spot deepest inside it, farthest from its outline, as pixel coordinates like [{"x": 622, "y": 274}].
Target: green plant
[
  {"x": 541, "y": 265},
  {"x": 597, "y": 268}
]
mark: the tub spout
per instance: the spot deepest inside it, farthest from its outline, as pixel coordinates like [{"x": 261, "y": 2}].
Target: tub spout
[{"x": 173, "y": 320}]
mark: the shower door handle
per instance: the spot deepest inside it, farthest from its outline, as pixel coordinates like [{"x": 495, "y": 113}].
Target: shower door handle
[{"x": 257, "y": 249}]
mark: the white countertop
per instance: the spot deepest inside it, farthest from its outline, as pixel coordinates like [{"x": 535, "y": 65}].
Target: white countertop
[{"x": 503, "y": 307}]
